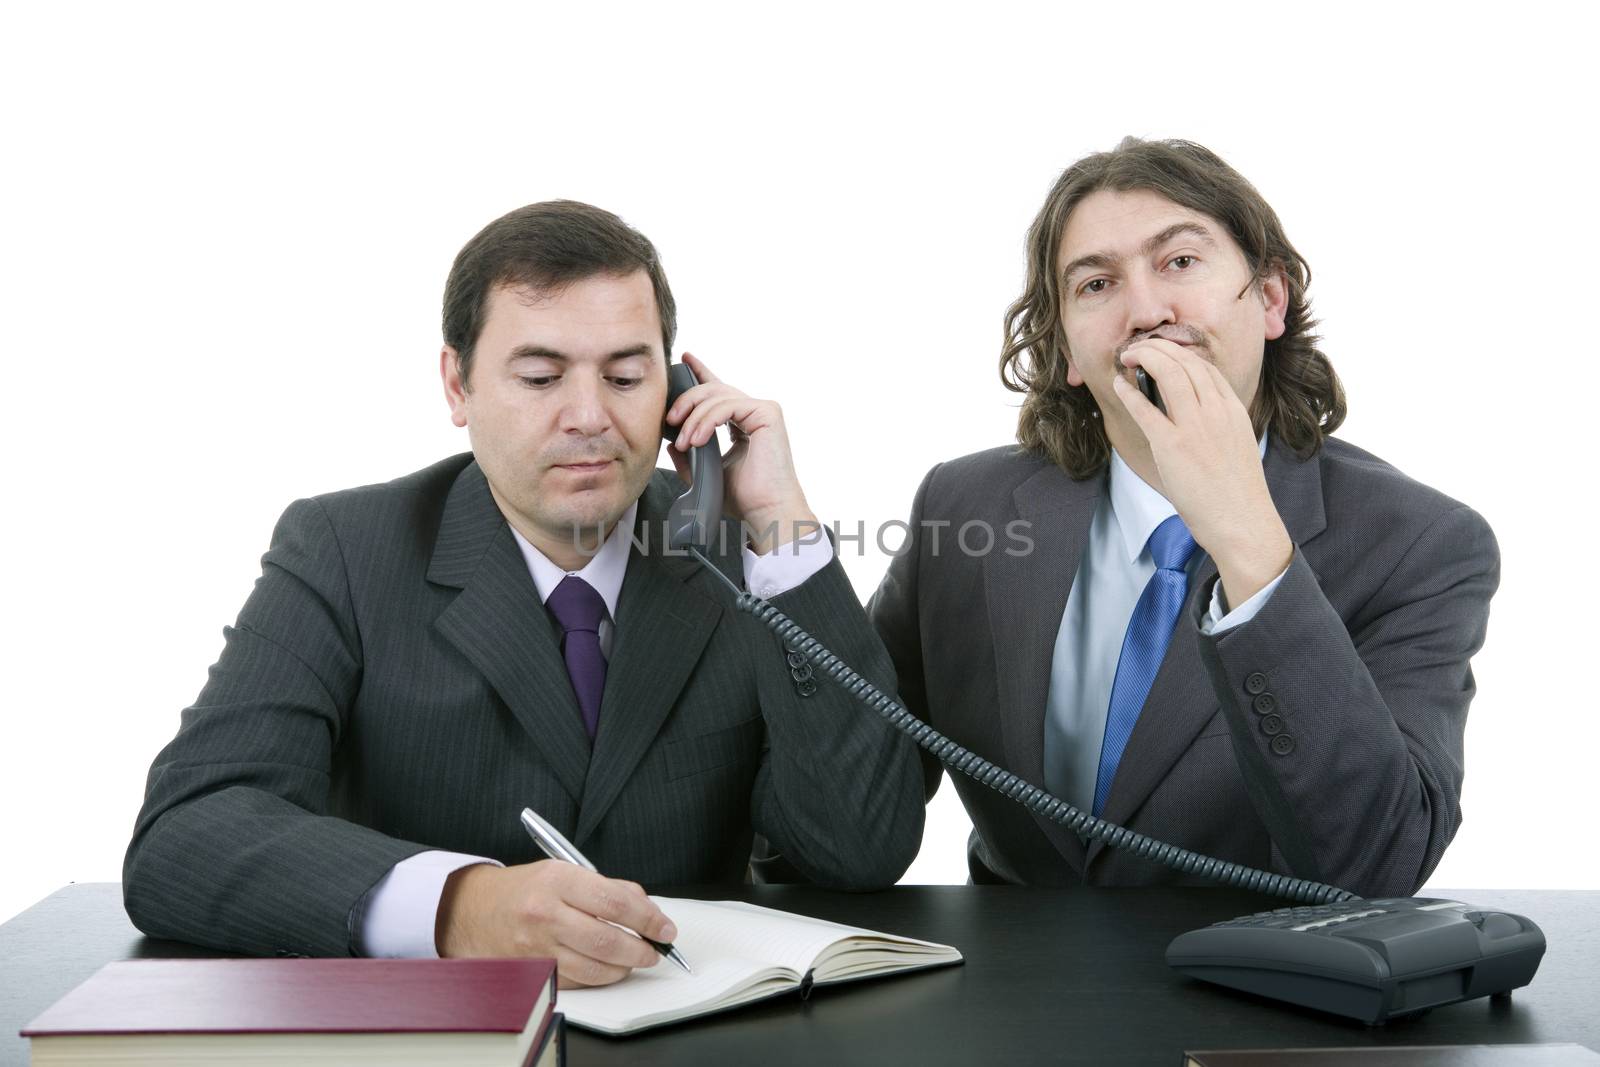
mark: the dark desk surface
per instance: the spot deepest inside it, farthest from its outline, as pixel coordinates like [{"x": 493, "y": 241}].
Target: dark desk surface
[{"x": 1050, "y": 976}]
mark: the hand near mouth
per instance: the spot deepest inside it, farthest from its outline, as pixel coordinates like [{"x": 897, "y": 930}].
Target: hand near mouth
[{"x": 1208, "y": 463}]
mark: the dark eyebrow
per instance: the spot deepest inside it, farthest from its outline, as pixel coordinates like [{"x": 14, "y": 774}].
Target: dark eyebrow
[
  {"x": 541, "y": 352},
  {"x": 1106, "y": 259}
]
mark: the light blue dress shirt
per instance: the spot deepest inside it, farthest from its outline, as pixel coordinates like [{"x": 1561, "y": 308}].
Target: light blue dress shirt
[{"x": 1113, "y": 572}]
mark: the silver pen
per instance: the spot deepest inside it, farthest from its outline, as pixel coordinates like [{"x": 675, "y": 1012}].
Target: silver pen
[{"x": 557, "y": 847}]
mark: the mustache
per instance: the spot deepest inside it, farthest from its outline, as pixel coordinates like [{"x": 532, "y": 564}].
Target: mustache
[{"x": 1178, "y": 332}]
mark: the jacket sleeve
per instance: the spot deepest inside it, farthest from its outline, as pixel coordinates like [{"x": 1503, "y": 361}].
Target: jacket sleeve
[
  {"x": 1350, "y": 738},
  {"x": 234, "y": 847},
  {"x": 839, "y": 792}
]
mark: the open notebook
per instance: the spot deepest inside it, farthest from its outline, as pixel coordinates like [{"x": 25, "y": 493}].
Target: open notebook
[{"x": 742, "y": 953}]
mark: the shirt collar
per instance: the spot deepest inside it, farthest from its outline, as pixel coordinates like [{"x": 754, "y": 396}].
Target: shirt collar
[
  {"x": 1138, "y": 508},
  {"x": 604, "y": 570}
]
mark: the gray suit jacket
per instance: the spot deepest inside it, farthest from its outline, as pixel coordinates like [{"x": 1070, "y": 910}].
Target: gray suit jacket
[
  {"x": 1322, "y": 738},
  {"x": 394, "y": 684}
]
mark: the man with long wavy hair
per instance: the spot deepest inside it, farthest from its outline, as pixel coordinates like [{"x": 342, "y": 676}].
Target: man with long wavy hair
[{"x": 1227, "y": 629}]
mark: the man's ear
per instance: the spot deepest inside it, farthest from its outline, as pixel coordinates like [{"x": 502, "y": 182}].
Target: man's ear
[
  {"x": 455, "y": 390},
  {"x": 1073, "y": 375},
  {"x": 1275, "y": 300}
]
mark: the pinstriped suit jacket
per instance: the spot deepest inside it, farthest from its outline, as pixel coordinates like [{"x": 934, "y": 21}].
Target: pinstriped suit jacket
[
  {"x": 1322, "y": 738},
  {"x": 393, "y": 684}
]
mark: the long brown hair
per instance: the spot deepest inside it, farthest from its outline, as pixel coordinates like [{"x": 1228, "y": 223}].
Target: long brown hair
[{"x": 1299, "y": 396}]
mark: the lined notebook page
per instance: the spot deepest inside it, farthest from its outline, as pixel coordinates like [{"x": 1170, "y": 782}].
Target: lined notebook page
[
  {"x": 739, "y": 952},
  {"x": 849, "y": 951},
  {"x": 767, "y": 936}
]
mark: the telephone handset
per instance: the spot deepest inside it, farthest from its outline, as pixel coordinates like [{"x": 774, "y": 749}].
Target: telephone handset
[
  {"x": 1364, "y": 959},
  {"x": 694, "y": 517},
  {"x": 1147, "y": 386}
]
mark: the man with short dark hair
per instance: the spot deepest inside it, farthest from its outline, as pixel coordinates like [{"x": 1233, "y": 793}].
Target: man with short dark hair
[
  {"x": 1233, "y": 632},
  {"x": 507, "y": 628}
]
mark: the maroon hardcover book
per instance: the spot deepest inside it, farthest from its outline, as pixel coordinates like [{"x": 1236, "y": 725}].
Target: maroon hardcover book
[{"x": 490, "y": 1011}]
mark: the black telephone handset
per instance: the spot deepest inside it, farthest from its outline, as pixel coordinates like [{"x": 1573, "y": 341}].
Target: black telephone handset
[
  {"x": 695, "y": 516},
  {"x": 1147, "y": 386},
  {"x": 1364, "y": 959}
]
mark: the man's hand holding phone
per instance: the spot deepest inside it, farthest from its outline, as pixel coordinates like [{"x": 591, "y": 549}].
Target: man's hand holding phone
[
  {"x": 1206, "y": 454},
  {"x": 760, "y": 487},
  {"x": 553, "y": 909}
]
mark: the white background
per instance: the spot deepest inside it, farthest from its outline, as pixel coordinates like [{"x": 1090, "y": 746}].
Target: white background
[{"x": 226, "y": 231}]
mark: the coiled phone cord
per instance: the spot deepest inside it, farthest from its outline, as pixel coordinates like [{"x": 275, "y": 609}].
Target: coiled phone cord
[{"x": 1004, "y": 782}]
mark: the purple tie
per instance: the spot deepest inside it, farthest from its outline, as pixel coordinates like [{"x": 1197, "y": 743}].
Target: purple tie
[{"x": 579, "y": 609}]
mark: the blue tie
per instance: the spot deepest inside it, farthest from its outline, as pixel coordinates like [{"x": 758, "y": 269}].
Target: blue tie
[{"x": 1144, "y": 646}]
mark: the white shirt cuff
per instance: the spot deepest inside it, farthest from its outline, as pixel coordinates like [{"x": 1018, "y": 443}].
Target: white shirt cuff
[
  {"x": 786, "y": 566},
  {"x": 1216, "y": 622},
  {"x": 403, "y": 908}
]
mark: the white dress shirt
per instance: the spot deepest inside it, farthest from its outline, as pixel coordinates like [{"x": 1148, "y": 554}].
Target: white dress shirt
[
  {"x": 1115, "y": 568},
  {"x": 403, "y": 907}
]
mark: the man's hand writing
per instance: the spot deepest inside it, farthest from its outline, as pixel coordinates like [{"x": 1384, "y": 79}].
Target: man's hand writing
[{"x": 551, "y": 909}]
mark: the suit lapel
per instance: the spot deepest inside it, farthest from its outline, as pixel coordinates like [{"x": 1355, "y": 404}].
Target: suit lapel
[
  {"x": 662, "y": 627},
  {"x": 498, "y": 623},
  {"x": 1181, "y": 699},
  {"x": 1027, "y": 595}
]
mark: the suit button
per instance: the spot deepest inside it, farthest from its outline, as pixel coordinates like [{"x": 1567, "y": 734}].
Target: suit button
[
  {"x": 802, "y": 672},
  {"x": 1255, "y": 683},
  {"x": 795, "y": 659},
  {"x": 806, "y": 687},
  {"x": 1282, "y": 745},
  {"x": 1265, "y": 704},
  {"x": 1272, "y": 725}
]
